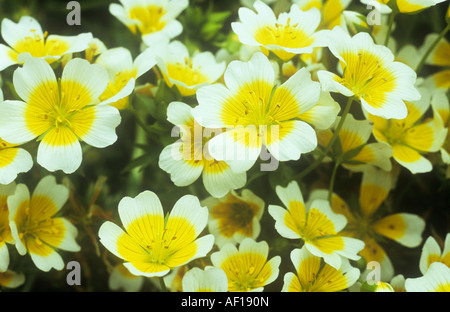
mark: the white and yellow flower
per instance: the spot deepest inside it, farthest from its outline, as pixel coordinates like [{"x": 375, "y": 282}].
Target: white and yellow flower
[
  {"x": 121, "y": 69},
  {"x": 352, "y": 149},
  {"x": 436, "y": 279},
  {"x": 247, "y": 268},
  {"x": 431, "y": 252},
  {"x": 316, "y": 225},
  {"x": 26, "y": 39},
  {"x": 35, "y": 226},
  {"x": 369, "y": 73},
  {"x": 121, "y": 279},
  {"x": 413, "y": 136},
  {"x": 366, "y": 224},
  {"x": 5, "y": 230},
  {"x": 152, "y": 18},
  {"x": 151, "y": 244},
  {"x": 256, "y": 113},
  {"x": 187, "y": 73},
  {"x": 188, "y": 158},
  {"x": 61, "y": 113},
  {"x": 210, "y": 279},
  {"x": 290, "y": 34},
  {"x": 234, "y": 217},
  {"x": 311, "y": 275}
]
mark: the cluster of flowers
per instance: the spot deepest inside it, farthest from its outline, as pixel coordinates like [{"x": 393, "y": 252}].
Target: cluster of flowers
[{"x": 274, "y": 94}]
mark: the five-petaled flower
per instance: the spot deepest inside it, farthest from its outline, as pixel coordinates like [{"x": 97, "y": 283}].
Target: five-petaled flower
[
  {"x": 152, "y": 245},
  {"x": 316, "y": 225},
  {"x": 286, "y": 36},
  {"x": 311, "y": 275},
  {"x": 247, "y": 268},
  {"x": 256, "y": 113},
  {"x": 369, "y": 73},
  {"x": 188, "y": 158},
  {"x": 36, "y": 227},
  {"x": 152, "y": 18},
  {"x": 61, "y": 113},
  {"x": 184, "y": 71},
  {"x": 26, "y": 39},
  {"x": 234, "y": 216}
]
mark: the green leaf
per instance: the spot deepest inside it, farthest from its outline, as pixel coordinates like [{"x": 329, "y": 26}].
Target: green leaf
[{"x": 140, "y": 162}]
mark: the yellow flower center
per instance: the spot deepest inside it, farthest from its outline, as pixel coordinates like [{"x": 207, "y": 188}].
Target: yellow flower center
[
  {"x": 65, "y": 110},
  {"x": 317, "y": 225},
  {"x": 288, "y": 36},
  {"x": 246, "y": 271},
  {"x": 150, "y": 18},
  {"x": 235, "y": 216},
  {"x": 396, "y": 131},
  {"x": 186, "y": 73},
  {"x": 367, "y": 77},
  {"x": 36, "y": 227},
  {"x": 162, "y": 246}
]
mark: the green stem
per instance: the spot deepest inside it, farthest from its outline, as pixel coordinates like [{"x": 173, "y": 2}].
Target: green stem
[
  {"x": 330, "y": 144},
  {"x": 280, "y": 63},
  {"x": 333, "y": 178},
  {"x": 431, "y": 48},
  {"x": 391, "y": 24}
]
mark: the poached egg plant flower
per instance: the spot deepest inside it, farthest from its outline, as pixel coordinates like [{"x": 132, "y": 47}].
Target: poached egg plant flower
[
  {"x": 256, "y": 113},
  {"x": 311, "y": 275},
  {"x": 152, "y": 18},
  {"x": 370, "y": 74},
  {"x": 26, "y": 39},
  {"x": 184, "y": 71},
  {"x": 187, "y": 159},
  {"x": 61, "y": 113},
  {"x": 315, "y": 224},
  {"x": 36, "y": 227},
  {"x": 152, "y": 245},
  {"x": 247, "y": 268},
  {"x": 292, "y": 33}
]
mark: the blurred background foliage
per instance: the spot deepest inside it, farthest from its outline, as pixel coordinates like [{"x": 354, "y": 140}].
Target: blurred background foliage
[{"x": 130, "y": 166}]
